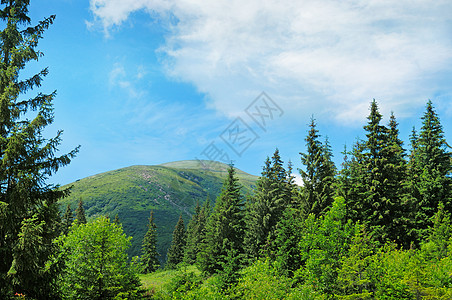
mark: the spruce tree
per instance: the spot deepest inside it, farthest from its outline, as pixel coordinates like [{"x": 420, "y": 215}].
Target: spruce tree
[
  {"x": 319, "y": 173},
  {"x": 29, "y": 213},
  {"x": 375, "y": 179},
  {"x": 192, "y": 237},
  {"x": 177, "y": 249},
  {"x": 430, "y": 170},
  {"x": 80, "y": 213},
  {"x": 395, "y": 169},
  {"x": 149, "y": 257},
  {"x": 201, "y": 230},
  {"x": 225, "y": 229},
  {"x": 265, "y": 208},
  {"x": 116, "y": 220},
  {"x": 66, "y": 222}
]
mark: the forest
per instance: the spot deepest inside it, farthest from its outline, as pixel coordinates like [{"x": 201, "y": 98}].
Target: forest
[{"x": 377, "y": 227}]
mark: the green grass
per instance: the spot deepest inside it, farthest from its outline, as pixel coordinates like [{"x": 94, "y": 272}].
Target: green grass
[{"x": 156, "y": 281}]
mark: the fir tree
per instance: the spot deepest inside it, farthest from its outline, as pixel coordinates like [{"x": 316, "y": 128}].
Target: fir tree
[
  {"x": 225, "y": 229},
  {"x": 150, "y": 255},
  {"x": 66, "y": 222},
  {"x": 176, "y": 251},
  {"x": 80, "y": 213},
  {"x": 430, "y": 170},
  {"x": 318, "y": 178},
  {"x": 29, "y": 213}
]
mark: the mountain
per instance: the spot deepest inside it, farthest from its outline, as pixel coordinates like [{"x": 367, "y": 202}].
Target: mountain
[{"x": 168, "y": 189}]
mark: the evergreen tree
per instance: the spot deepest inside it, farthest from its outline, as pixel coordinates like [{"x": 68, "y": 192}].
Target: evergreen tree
[
  {"x": 191, "y": 249},
  {"x": 150, "y": 255},
  {"x": 80, "y": 213},
  {"x": 66, "y": 222},
  {"x": 176, "y": 251},
  {"x": 272, "y": 196},
  {"x": 29, "y": 213},
  {"x": 225, "y": 229},
  {"x": 430, "y": 171},
  {"x": 318, "y": 178},
  {"x": 395, "y": 170},
  {"x": 201, "y": 230},
  {"x": 375, "y": 178},
  {"x": 116, "y": 220}
]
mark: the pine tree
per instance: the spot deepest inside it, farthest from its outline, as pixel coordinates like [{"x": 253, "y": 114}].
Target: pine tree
[
  {"x": 225, "y": 229},
  {"x": 66, "y": 222},
  {"x": 430, "y": 170},
  {"x": 150, "y": 255},
  {"x": 29, "y": 213},
  {"x": 318, "y": 178},
  {"x": 80, "y": 213},
  {"x": 272, "y": 196},
  {"x": 176, "y": 251}
]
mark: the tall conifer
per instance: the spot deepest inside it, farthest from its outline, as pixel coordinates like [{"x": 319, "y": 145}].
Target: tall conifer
[
  {"x": 318, "y": 175},
  {"x": 149, "y": 257},
  {"x": 430, "y": 170},
  {"x": 29, "y": 215},
  {"x": 225, "y": 229},
  {"x": 66, "y": 222},
  {"x": 80, "y": 213},
  {"x": 375, "y": 177},
  {"x": 177, "y": 249},
  {"x": 265, "y": 208},
  {"x": 193, "y": 243}
]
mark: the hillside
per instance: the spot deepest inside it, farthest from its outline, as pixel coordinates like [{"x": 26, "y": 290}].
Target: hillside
[{"x": 169, "y": 189}]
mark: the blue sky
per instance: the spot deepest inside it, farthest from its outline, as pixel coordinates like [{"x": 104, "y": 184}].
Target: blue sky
[{"x": 153, "y": 81}]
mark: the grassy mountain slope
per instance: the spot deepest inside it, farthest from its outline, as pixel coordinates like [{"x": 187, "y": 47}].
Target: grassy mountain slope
[{"x": 169, "y": 189}]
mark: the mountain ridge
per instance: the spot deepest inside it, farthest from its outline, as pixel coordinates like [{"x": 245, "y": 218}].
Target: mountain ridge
[{"x": 170, "y": 189}]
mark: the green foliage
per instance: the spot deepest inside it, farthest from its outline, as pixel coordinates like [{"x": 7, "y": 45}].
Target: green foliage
[
  {"x": 80, "y": 213},
  {"x": 28, "y": 204},
  {"x": 66, "y": 221},
  {"x": 357, "y": 274},
  {"x": 261, "y": 281},
  {"x": 289, "y": 233},
  {"x": 224, "y": 237},
  {"x": 265, "y": 208},
  {"x": 193, "y": 237},
  {"x": 324, "y": 242},
  {"x": 95, "y": 262},
  {"x": 176, "y": 252},
  {"x": 430, "y": 170},
  {"x": 373, "y": 180},
  {"x": 319, "y": 176},
  {"x": 149, "y": 257}
]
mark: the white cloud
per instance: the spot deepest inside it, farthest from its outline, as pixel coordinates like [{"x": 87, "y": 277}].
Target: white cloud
[
  {"x": 118, "y": 77},
  {"x": 314, "y": 56}
]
